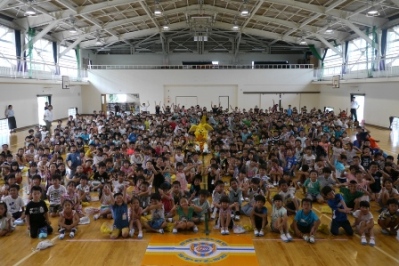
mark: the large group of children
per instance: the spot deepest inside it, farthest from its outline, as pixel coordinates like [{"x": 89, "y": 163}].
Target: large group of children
[{"x": 148, "y": 172}]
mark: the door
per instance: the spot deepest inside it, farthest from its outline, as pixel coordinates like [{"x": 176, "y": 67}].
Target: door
[
  {"x": 41, "y": 103},
  {"x": 224, "y": 102},
  {"x": 104, "y": 103},
  {"x": 360, "y": 99}
]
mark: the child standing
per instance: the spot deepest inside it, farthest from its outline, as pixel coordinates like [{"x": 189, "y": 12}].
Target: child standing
[
  {"x": 306, "y": 222},
  {"x": 364, "y": 223},
  {"x": 5, "y": 220},
  {"x": 69, "y": 220},
  {"x": 279, "y": 218},
  {"x": 37, "y": 217},
  {"x": 135, "y": 222},
  {"x": 120, "y": 214},
  {"x": 259, "y": 215},
  {"x": 340, "y": 211}
]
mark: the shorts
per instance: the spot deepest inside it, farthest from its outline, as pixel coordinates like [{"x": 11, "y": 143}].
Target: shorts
[
  {"x": 341, "y": 180},
  {"x": 304, "y": 229},
  {"x": 117, "y": 232},
  {"x": 16, "y": 215},
  {"x": 104, "y": 207},
  {"x": 313, "y": 197},
  {"x": 156, "y": 224},
  {"x": 54, "y": 208},
  {"x": 258, "y": 222}
]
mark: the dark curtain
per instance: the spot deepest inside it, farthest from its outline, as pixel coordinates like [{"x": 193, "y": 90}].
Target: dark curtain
[
  {"x": 21, "y": 63},
  {"x": 55, "y": 57},
  {"x": 345, "y": 66},
  {"x": 384, "y": 35}
]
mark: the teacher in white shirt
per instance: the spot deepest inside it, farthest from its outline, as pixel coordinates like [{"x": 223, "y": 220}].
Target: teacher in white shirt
[
  {"x": 48, "y": 117},
  {"x": 354, "y": 107},
  {"x": 12, "y": 123}
]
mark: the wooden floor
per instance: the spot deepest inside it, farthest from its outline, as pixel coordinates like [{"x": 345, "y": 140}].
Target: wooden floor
[{"x": 91, "y": 247}]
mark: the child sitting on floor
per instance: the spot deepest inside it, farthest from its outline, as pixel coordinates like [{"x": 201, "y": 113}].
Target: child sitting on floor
[
  {"x": 68, "y": 221},
  {"x": 259, "y": 216},
  {"x": 364, "y": 223},
  {"x": 225, "y": 214},
  {"x": 5, "y": 220},
  {"x": 203, "y": 203},
  {"x": 389, "y": 218},
  {"x": 306, "y": 222},
  {"x": 279, "y": 218},
  {"x": 106, "y": 202},
  {"x": 120, "y": 214},
  {"x": 157, "y": 222},
  {"x": 135, "y": 216},
  {"x": 185, "y": 213}
]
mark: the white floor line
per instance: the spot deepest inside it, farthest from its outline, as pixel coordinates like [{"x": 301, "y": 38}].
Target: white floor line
[
  {"x": 106, "y": 240},
  {"x": 33, "y": 253}
]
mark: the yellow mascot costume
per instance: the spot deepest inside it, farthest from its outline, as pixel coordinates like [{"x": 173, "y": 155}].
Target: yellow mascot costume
[{"x": 201, "y": 135}]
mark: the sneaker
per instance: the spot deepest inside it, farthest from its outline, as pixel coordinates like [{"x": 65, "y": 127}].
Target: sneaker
[
  {"x": 213, "y": 216},
  {"x": 71, "y": 234},
  {"x": 160, "y": 231},
  {"x": 284, "y": 238},
  {"x": 140, "y": 235},
  {"x": 195, "y": 229},
  {"x": 61, "y": 237},
  {"x": 174, "y": 231},
  {"x": 227, "y": 232},
  {"x": 299, "y": 184},
  {"x": 131, "y": 232},
  {"x": 306, "y": 238},
  {"x": 289, "y": 237},
  {"x": 256, "y": 232},
  {"x": 261, "y": 233},
  {"x": 222, "y": 231},
  {"x": 170, "y": 220},
  {"x": 237, "y": 217},
  {"x": 274, "y": 183},
  {"x": 216, "y": 226},
  {"x": 42, "y": 235},
  {"x": 246, "y": 199},
  {"x": 96, "y": 216},
  {"x": 372, "y": 242},
  {"x": 384, "y": 232},
  {"x": 311, "y": 239},
  {"x": 363, "y": 240}
]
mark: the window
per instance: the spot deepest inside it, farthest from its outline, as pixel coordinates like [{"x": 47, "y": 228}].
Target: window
[
  {"x": 7, "y": 47},
  {"x": 359, "y": 54},
  {"x": 67, "y": 63},
  {"x": 332, "y": 59},
  {"x": 393, "y": 46},
  {"x": 42, "y": 56}
]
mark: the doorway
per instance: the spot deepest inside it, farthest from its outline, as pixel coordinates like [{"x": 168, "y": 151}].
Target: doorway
[
  {"x": 41, "y": 103},
  {"x": 360, "y": 99},
  {"x": 224, "y": 102}
]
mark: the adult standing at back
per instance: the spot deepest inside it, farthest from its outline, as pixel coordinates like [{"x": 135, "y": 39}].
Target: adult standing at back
[
  {"x": 354, "y": 107},
  {"x": 48, "y": 117},
  {"x": 12, "y": 123}
]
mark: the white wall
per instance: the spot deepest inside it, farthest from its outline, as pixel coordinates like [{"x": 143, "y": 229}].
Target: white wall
[
  {"x": 177, "y": 59},
  {"x": 381, "y": 100},
  {"x": 23, "y": 97},
  {"x": 151, "y": 84}
]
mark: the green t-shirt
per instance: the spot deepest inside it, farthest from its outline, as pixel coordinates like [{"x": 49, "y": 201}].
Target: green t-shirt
[
  {"x": 185, "y": 216},
  {"x": 312, "y": 187},
  {"x": 349, "y": 197}
]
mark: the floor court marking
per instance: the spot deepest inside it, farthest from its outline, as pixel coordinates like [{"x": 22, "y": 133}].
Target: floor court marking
[
  {"x": 32, "y": 253},
  {"x": 106, "y": 240},
  {"x": 300, "y": 240},
  {"x": 375, "y": 247}
]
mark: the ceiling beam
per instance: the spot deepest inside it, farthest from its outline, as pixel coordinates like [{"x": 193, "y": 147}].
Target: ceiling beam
[
  {"x": 329, "y": 45},
  {"x": 354, "y": 17},
  {"x": 360, "y": 33},
  {"x": 40, "y": 34},
  {"x": 3, "y": 3},
  {"x": 73, "y": 45}
]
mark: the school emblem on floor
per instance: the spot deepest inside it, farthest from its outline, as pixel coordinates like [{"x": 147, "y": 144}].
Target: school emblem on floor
[{"x": 184, "y": 250}]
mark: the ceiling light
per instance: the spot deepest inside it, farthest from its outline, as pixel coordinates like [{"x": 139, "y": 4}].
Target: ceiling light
[
  {"x": 73, "y": 30},
  {"x": 302, "y": 42},
  {"x": 244, "y": 12},
  {"x": 157, "y": 11},
  {"x": 99, "y": 42},
  {"x": 30, "y": 11},
  {"x": 373, "y": 12},
  {"x": 165, "y": 27},
  {"x": 329, "y": 31},
  {"x": 235, "y": 27}
]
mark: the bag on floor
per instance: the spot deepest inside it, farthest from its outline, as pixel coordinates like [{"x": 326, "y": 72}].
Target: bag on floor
[
  {"x": 106, "y": 228},
  {"x": 238, "y": 229},
  {"x": 84, "y": 220},
  {"x": 44, "y": 244}
]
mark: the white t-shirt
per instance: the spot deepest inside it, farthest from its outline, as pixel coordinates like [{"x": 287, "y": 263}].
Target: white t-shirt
[
  {"x": 14, "y": 205},
  {"x": 277, "y": 213},
  {"x": 48, "y": 115},
  {"x": 354, "y": 105},
  {"x": 54, "y": 194},
  {"x": 364, "y": 218},
  {"x": 4, "y": 221}
]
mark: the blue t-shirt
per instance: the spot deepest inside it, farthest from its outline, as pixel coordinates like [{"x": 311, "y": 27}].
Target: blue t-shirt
[
  {"x": 336, "y": 204},
  {"x": 303, "y": 219},
  {"x": 291, "y": 161},
  {"x": 120, "y": 214},
  {"x": 75, "y": 159}
]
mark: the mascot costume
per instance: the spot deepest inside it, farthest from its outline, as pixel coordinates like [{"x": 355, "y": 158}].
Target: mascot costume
[{"x": 201, "y": 135}]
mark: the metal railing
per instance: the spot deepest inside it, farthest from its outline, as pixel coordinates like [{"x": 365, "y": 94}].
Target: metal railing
[
  {"x": 26, "y": 69},
  {"x": 360, "y": 70},
  {"x": 196, "y": 67}
]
